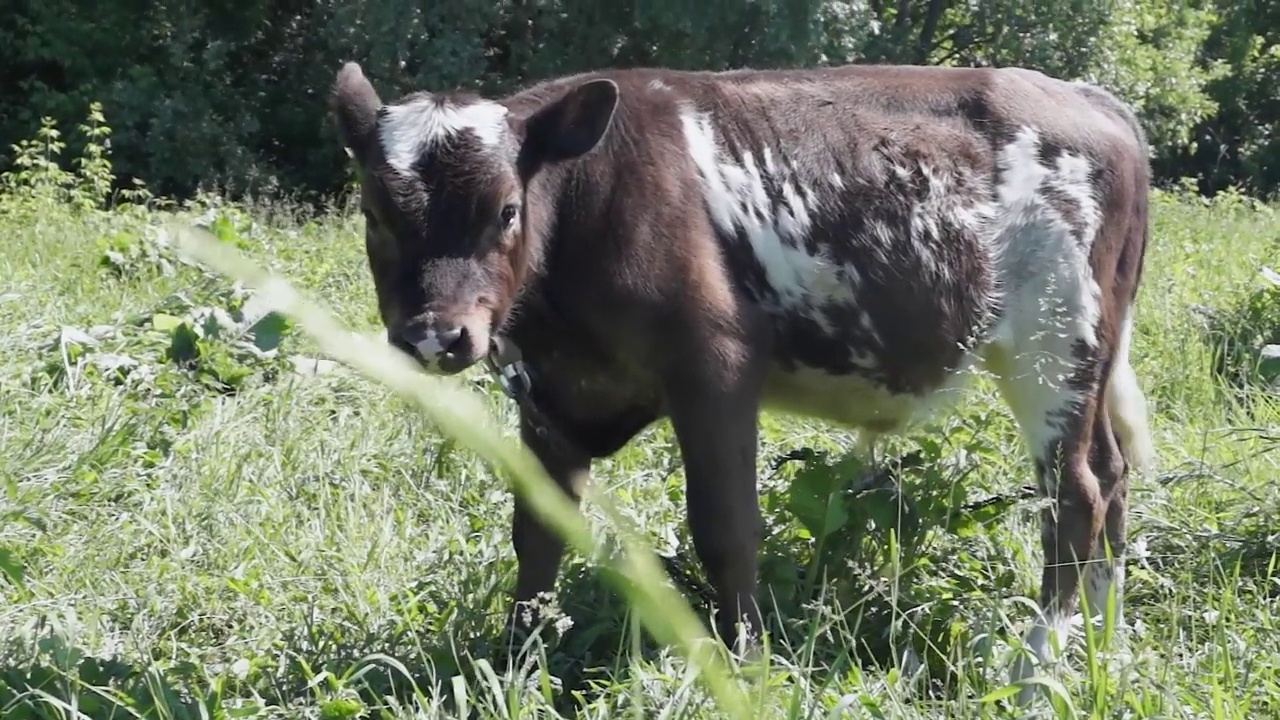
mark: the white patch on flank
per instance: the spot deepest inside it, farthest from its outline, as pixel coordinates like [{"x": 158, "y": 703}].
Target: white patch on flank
[
  {"x": 1071, "y": 178},
  {"x": 793, "y": 216},
  {"x": 1051, "y": 299},
  {"x": 768, "y": 162},
  {"x": 656, "y": 84},
  {"x": 1040, "y": 259},
  {"x": 737, "y": 198},
  {"x": 409, "y": 130}
]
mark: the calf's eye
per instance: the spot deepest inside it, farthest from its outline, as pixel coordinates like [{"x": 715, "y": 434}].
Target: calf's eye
[{"x": 508, "y": 215}]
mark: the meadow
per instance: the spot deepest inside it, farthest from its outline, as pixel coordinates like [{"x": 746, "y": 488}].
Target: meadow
[{"x": 203, "y": 516}]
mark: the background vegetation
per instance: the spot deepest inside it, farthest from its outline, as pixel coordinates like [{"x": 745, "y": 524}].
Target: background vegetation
[
  {"x": 204, "y": 516},
  {"x": 231, "y": 94}
]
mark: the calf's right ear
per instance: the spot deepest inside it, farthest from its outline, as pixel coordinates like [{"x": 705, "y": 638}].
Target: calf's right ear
[{"x": 355, "y": 104}]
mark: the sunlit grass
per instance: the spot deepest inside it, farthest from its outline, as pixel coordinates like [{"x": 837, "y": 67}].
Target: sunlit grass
[{"x": 239, "y": 536}]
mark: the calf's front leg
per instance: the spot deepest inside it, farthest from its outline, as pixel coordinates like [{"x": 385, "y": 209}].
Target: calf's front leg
[
  {"x": 566, "y": 452},
  {"x": 539, "y": 550},
  {"x": 715, "y": 421}
]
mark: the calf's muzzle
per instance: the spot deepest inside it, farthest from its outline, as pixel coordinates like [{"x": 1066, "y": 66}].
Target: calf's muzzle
[{"x": 441, "y": 344}]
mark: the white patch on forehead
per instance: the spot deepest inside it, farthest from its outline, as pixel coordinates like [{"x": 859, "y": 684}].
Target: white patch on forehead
[{"x": 407, "y": 131}]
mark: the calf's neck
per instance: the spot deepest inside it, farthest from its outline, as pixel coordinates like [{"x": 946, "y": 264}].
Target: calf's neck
[{"x": 845, "y": 243}]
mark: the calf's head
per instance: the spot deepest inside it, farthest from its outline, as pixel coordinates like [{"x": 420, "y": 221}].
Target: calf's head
[{"x": 454, "y": 221}]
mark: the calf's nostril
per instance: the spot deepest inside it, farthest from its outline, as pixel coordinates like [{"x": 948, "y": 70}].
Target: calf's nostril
[
  {"x": 452, "y": 339},
  {"x": 430, "y": 343}
]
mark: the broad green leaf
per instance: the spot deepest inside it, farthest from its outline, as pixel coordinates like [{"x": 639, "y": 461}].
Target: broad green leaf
[{"x": 11, "y": 568}]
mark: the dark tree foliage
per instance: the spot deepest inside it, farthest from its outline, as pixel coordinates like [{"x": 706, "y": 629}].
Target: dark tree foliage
[{"x": 232, "y": 94}]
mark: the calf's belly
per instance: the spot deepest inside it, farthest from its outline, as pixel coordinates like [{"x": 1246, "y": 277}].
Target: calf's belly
[{"x": 853, "y": 401}]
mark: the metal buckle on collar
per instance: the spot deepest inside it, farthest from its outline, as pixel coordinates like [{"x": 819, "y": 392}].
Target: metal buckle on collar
[{"x": 505, "y": 362}]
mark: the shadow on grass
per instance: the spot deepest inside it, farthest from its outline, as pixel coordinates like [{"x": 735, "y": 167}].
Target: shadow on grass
[
  {"x": 54, "y": 679},
  {"x": 344, "y": 674},
  {"x": 332, "y": 669}
]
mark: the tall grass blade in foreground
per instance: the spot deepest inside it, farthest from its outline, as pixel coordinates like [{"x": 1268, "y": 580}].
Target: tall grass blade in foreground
[{"x": 460, "y": 415}]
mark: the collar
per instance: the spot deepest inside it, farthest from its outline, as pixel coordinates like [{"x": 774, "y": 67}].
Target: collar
[{"x": 506, "y": 364}]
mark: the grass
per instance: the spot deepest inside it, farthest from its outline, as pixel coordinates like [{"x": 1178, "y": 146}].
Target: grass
[{"x": 200, "y": 520}]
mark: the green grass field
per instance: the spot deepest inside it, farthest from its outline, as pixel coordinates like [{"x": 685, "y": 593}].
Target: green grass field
[{"x": 200, "y": 521}]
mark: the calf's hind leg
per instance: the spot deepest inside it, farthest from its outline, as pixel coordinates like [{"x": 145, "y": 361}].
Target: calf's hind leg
[
  {"x": 1053, "y": 382},
  {"x": 1104, "y": 576}
]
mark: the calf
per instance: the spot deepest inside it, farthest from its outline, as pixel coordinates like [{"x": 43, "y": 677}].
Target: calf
[{"x": 843, "y": 243}]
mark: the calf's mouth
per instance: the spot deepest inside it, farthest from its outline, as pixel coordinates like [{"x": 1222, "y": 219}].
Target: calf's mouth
[{"x": 442, "y": 344}]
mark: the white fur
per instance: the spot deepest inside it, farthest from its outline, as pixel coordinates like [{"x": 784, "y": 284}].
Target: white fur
[
  {"x": 1071, "y": 177},
  {"x": 848, "y": 400},
  {"x": 1128, "y": 405},
  {"x": 738, "y": 200},
  {"x": 429, "y": 346},
  {"x": 409, "y": 130},
  {"x": 1040, "y": 262}
]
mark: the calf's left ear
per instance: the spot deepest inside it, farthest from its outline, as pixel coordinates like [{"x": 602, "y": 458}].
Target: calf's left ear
[{"x": 571, "y": 126}]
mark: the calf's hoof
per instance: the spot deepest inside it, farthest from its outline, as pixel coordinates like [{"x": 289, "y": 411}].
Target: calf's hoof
[{"x": 741, "y": 639}]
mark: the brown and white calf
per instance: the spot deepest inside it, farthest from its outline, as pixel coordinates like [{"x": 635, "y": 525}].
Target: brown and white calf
[{"x": 844, "y": 243}]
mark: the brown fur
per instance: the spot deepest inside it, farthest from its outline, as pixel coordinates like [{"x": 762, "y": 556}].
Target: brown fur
[{"x": 630, "y": 305}]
